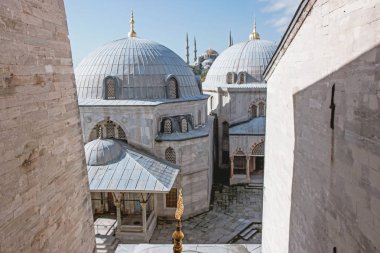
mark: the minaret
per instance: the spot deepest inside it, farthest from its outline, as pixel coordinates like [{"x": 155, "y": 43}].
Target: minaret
[
  {"x": 195, "y": 50},
  {"x": 132, "y": 32},
  {"x": 187, "y": 49},
  {"x": 231, "y": 40},
  {"x": 254, "y": 35}
]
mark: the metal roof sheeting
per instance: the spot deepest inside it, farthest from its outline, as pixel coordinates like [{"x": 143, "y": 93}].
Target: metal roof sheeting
[
  {"x": 134, "y": 172},
  {"x": 151, "y": 102},
  {"x": 251, "y": 56},
  {"x": 235, "y": 86},
  {"x": 255, "y": 126},
  {"x": 140, "y": 65}
]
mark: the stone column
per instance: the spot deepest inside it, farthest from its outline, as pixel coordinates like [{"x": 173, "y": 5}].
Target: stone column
[
  {"x": 232, "y": 167},
  {"x": 117, "y": 200},
  {"x": 143, "y": 207},
  {"x": 247, "y": 168}
]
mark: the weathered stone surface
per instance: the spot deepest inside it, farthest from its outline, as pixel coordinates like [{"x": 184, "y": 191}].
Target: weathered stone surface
[
  {"x": 321, "y": 185},
  {"x": 45, "y": 202}
]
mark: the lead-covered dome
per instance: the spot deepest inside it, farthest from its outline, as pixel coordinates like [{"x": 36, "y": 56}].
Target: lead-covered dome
[
  {"x": 102, "y": 152},
  {"x": 136, "y": 69},
  {"x": 241, "y": 63}
]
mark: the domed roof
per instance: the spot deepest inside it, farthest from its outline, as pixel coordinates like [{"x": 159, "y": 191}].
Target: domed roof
[
  {"x": 250, "y": 56},
  {"x": 102, "y": 152},
  {"x": 141, "y": 68}
]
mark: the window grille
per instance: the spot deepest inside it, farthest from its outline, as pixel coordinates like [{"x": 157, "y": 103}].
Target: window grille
[
  {"x": 110, "y": 129},
  {"x": 242, "y": 77},
  {"x": 99, "y": 131},
  {"x": 253, "y": 111},
  {"x": 110, "y": 88},
  {"x": 171, "y": 198},
  {"x": 170, "y": 155},
  {"x": 259, "y": 149},
  {"x": 261, "y": 109},
  {"x": 231, "y": 77},
  {"x": 167, "y": 126},
  {"x": 121, "y": 133},
  {"x": 172, "y": 88},
  {"x": 184, "y": 125}
]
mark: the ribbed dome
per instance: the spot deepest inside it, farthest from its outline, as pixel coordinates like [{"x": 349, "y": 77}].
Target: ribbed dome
[
  {"x": 102, "y": 152},
  {"x": 141, "y": 67},
  {"x": 250, "y": 56}
]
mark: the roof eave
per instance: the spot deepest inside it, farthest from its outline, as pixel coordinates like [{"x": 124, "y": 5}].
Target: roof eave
[{"x": 297, "y": 20}]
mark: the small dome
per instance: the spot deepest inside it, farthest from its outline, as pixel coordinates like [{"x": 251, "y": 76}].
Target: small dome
[
  {"x": 103, "y": 151},
  {"x": 141, "y": 68},
  {"x": 250, "y": 56}
]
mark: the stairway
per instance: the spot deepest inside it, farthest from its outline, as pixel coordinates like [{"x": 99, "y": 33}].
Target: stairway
[
  {"x": 248, "y": 232},
  {"x": 254, "y": 186},
  {"x": 106, "y": 243}
]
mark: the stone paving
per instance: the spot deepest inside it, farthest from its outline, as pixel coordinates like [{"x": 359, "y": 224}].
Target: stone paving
[{"x": 233, "y": 209}]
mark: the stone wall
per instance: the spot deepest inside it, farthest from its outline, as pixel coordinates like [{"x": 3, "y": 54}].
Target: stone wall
[
  {"x": 44, "y": 196},
  {"x": 195, "y": 176},
  {"x": 322, "y": 185},
  {"x": 233, "y": 106}
]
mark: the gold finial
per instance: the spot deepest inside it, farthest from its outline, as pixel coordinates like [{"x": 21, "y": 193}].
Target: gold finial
[
  {"x": 254, "y": 34},
  {"x": 132, "y": 32},
  {"x": 180, "y": 207},
  {"x": 178, "y": 234}
]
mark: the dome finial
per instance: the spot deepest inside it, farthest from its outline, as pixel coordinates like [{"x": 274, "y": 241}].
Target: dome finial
[
  {"x": 132, "y": 32},
  {"x": 254, "y": 35}
]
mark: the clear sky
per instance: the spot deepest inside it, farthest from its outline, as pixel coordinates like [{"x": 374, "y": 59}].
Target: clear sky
[{"x": 95, "y": 22}]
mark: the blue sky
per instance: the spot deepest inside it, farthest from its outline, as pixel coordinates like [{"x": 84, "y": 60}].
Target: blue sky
[{"x": 95, "y": 22}]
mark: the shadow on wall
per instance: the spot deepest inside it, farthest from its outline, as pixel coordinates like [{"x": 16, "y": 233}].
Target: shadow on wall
[
  {"x": 221, "y": 170},
  {"x": 336, "y": 178}
]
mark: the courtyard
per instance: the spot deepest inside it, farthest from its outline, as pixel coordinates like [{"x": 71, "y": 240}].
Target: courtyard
[{"x": 235, "y": 217}]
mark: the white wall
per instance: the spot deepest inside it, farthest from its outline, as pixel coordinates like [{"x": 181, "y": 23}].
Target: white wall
[{"x": 321, "y": 187}]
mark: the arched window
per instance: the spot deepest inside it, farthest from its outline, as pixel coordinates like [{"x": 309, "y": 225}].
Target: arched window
[
  {"x": 167, "y": 126},
  {"x": 121, "y": 133},
  {"x": 107, "y": 129},
  {"x": 184, "y": 125},
  {"x": 170, "y": 155},
  {"x": 110, "y": 129},
  {"x": 259, "y": 149},
  {"x": 110, "y": 89},
  {"x": 242, "y": 78},
  {"x": 96, "y": 132},
  {"x": 211, "y": 103},
  {"x": 172, "y": 88},
  {"x": 225, "y": 143},
  {"x": 253, "y": 111},
  {"x": 240, "y": 164},
  {"x": 199, "y": 117},
  {"x": 261, "y": 109},
  {"x": 231, "y": 77}
]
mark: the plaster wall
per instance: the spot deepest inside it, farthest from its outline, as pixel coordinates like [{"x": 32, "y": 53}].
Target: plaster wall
[
  {"x": 321, "y": 185},
  {"x": 44, "y": 195}
]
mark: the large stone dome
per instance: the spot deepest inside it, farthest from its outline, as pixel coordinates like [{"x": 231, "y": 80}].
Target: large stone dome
[
  {"x": 250, "y": 56},
  {"x": 140, "y": 67}
]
